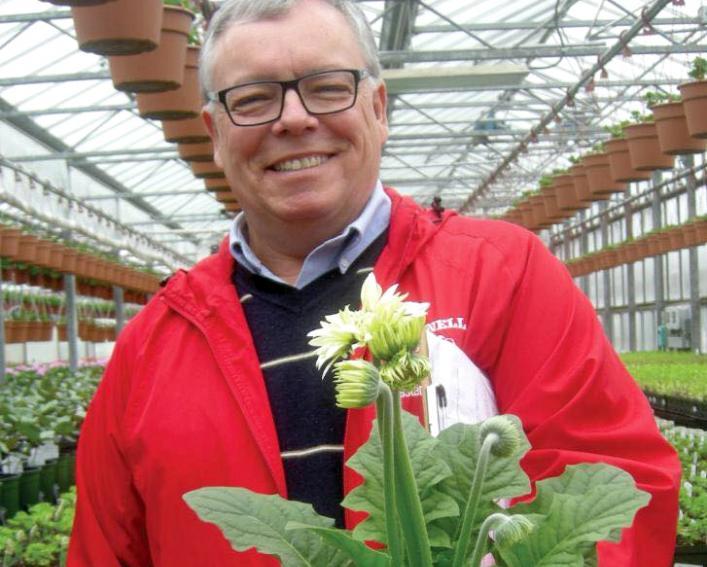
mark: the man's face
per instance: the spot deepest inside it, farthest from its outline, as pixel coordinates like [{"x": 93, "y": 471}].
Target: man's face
[{"x": 300, "y": 170}]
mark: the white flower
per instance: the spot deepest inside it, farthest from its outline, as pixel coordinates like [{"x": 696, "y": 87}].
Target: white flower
[
  {"x": 337, "y": 337},
  {"x": 357, "y": 383}
]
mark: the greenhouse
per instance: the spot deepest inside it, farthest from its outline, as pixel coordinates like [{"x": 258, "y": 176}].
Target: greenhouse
[{"x": 177, "y": 223}]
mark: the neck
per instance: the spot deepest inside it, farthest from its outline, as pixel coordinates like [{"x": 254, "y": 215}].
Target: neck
[{"x": 284, "y": 252}]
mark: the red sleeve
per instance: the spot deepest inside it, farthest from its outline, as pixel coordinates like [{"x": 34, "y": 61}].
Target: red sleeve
[
  {"x": 109, "y": 524},
  {"x": 557, "y": 371}
]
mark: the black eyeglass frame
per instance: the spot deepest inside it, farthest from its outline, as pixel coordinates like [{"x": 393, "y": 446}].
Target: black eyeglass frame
[{"x": 358, "y": 74}]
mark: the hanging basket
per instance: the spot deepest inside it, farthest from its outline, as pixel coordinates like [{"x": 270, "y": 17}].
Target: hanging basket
[
  {"x": 206, "y": 170},
  {"x": 190, "y": 131},
  {"x": 161, "y": 69},
  {"x": 217, "y": 184},
  {"x": 644, "y": 149},
  {"x": 179, "y": 104},
  {"x": 9, "y": 241},
  {"x": 581, "y": 185},
  {"x": 78, "y": 3},
  {"x": 601, "y": 184},
  {"x": 231, "y": 207},
  {"x": 121, "y": 27},
  {"x": 202, "y": 151},
  {"x": 567, "y": 199},
  {"x": 673, "y": 136},
  {"x": 694, "y": 100},
  {"x": 620, "y": 162}
]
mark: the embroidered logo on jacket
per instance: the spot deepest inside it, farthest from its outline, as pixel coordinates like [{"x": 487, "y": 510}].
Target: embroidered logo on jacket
[{"x": 448, "y": 323}]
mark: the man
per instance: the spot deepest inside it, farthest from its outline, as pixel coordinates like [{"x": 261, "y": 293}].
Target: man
[{"x": 214, "y": 382}]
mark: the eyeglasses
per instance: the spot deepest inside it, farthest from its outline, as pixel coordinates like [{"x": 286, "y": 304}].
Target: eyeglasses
[{"x": 260, "y": 102}]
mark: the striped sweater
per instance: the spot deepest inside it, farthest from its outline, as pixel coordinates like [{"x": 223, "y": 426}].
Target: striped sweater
[{"x": 310, "y": 427}]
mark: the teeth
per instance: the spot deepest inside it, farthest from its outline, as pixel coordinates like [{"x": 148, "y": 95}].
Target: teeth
[{"x": 302, "y": 163}]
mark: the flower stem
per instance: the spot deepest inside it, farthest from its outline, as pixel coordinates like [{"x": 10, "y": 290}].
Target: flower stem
[
  {"x": 384, "y": 409},
  {"x": 472, "y": 502},
  {"x": 480, "y": 546},
  {"x": 412, "y": 520}
]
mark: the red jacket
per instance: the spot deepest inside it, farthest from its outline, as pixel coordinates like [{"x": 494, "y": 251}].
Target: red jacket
[{"x": 183, "y": 403}]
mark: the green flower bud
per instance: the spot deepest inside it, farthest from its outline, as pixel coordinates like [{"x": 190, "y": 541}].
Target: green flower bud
[
  {"x": 393, "y": 331},
  {"x": 505, "y": 431},
  {"x": 509, "y": 530},
  {"x": 405, "y": 371},
  {"x": 357, "y": 383}
]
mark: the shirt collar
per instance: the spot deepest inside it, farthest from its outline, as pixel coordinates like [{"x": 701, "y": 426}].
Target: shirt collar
[{"x": 340, "y": 251}]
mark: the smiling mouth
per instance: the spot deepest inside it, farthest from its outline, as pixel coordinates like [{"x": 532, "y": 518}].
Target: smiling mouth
[{"x": 300, "y": 163}]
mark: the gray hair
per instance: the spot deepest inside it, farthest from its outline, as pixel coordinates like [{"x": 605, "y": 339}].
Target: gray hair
[{"x": 242, "y": 11}]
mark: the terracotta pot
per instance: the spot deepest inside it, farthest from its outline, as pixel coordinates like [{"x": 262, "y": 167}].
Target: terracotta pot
[
  {"x": 9, "y": 241},
  {"x": 644, "y": 149},
  {"x": 526, "y": 214},
  {"x": 620, "y": 162},
  {"x": 566, "y": 193},
  {"x": 552, "y": 210},
  {"x": 180, "y": 104},
  {"x": 123, "y": 27},
  {"x": 56, "y": 256},
  {"x": 161, "y": 69},
  {"x": 27, "y": 249},
  {"x": 68, "y": 263},
  {"x": 225, "y": 197},
  {"x": 206, "y": 170},
  {"x": 189, "y": 131},
  {"x": 673, "y": 135},
  {"x": 694, "y": 101},
  {"x": 232, "y": 207},
  {"x": 202, "y": 151},
  {"x": 581, "y": 184},
  {"x": 77, "y": 2},
  {"x": 42, "y": 253},
  {"x": 537, "y": 204},
  {"x": 217, "y": 184},
  {"x": 601, "y": 184}
]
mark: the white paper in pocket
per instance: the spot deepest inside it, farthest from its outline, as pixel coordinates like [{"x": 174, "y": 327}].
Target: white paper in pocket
[{"x": 458, "y": 391}]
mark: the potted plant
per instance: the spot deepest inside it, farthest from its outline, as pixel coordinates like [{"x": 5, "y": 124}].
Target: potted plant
[
  {"x": 643, "y": 145},
  {"x": 597, "y": 169},
  {"x": 694, "y": 98},
  {"x": 161, "y": 69},
  {"x": 179, "y": 104},
  {"x": 671, "y": 124},
  {"x": 439, "y": 507},
  {"x": 125, "y": 27},
  {"x": 619, "y": 159}
]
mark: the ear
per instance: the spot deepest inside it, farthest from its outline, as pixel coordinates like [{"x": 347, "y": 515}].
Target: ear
[
  {"x": 380, "y": 106},
  {"x": 212, "y": 128}
]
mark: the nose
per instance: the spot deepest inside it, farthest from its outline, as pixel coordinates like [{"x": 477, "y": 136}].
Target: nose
[{"x": 294, "y": 117}]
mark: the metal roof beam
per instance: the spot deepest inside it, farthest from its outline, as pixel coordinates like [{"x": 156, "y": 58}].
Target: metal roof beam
[
  {"x": 34, "y": 16},
  {"x": 529, "y": 25},
  {"x": 68, "y": 110},
  {"x": 53, "y": 143},
  {"x": 71, "y": 155}
]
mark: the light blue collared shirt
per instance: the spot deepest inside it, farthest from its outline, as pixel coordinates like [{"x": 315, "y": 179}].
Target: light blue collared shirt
[{"x": 339, "y": 251}]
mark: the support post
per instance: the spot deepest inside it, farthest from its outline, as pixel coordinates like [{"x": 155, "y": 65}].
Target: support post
[
  {"x": 693, "y": 259},
  {"x": 656, "y": 208},
  {"x": 606, "y": 274},
  {"x": 71, "y": 321}
]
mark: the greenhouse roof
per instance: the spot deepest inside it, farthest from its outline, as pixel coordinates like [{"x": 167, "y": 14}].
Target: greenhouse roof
[{"x": 484, "y": 98}]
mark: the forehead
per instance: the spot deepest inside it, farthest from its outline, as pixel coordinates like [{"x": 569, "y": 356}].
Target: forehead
[{"x": 312, "y": 36}]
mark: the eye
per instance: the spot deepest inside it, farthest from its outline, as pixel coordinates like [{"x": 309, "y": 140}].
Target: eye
[{"x": 252, "y": 98}]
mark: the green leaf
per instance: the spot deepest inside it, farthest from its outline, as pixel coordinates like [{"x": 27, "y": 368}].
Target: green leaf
[
  {"x": 360, "y": 553},
  {"x": 248, "y": 519},
  {"x": 459, "y": 447},
  {"x": 429, "y": 471},
  {"x": 586, "y": 504}
]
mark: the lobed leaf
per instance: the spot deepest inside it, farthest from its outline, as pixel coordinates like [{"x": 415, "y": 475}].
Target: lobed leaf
[
  {"x": 251, "y": 520},
  {"x": 586, "y": 504}
]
